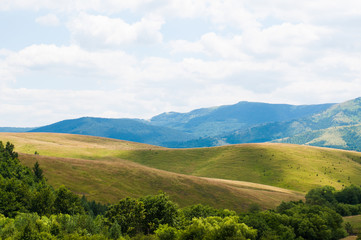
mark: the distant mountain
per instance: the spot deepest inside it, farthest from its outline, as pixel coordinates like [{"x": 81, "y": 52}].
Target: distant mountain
[
  {"x": 328, "y": 125},
  {"x": 345, "y": 137},
  {"x": 243, "y": 115},
  {"x": 124, "y": 129},
  {"x": 14, "y": 129},
  {"x": 337, "y": 127}
]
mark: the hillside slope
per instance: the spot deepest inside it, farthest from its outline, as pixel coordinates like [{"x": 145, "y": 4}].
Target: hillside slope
[
  {"x": 110, "y": 180},
  {"x": 294, "y": 167},
  {"x": 90, "y": 166}
]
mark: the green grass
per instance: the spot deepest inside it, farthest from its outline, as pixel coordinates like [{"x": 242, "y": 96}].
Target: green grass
[
  {"x": 355, "y": 222},
  {"x": 91, "y": 166},
  {"x": 108, "y": 181},
  {"x": 294, "y": 167}
]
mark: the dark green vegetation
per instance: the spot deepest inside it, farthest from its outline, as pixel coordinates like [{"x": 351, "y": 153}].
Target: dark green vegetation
[
  {"x": 32, "y": 209},
  {"x": 25, "y": 190}
]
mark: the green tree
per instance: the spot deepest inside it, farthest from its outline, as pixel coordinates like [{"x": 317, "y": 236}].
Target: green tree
[
  {"x": 115, "y": 230},
  {"x": 217, "y": 228},
  {"x": 349, "y": 195},
  {"x": 158, "y": 210},
  {"x": 130, "y": 215},
  {"x": 43, "y": 200},
  {"x": 321, "y": 196},
  {"x": 38, "y": 172},
  {"x": 348, "y": 228},
  {"x": 67, "y": 202},
  {"x": 165, "y": 232}
]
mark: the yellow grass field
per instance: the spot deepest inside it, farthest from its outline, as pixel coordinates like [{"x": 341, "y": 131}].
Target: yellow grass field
[{"x": 231, "y": 177}]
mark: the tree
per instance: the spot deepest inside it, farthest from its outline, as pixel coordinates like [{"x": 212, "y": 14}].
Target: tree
[
  {"x": 130, "y": 215},
  {"x": 348, "y": 228},
  {"x": 321, "y": 196},
  {"x": 158, "y": 210},
  {"x": 67, "y": 202},
  {"x": 349, "y": 195},
  {"x": 43, "y": 200},
  {"x": 38, "y": 172}
]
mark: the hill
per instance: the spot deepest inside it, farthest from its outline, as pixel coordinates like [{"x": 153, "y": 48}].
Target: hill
[
  {"x": 100, "y": 175},
  {"x": 293, "y": 167},
  {"x": 184, "y": 129},
  {"x": 336, "y": 127},
  {"x": 15, "y": 129},
  {"x": 125, "y": 129},
  {"x": 219, "y": 120},
  {"x": 346, "y": 137}
]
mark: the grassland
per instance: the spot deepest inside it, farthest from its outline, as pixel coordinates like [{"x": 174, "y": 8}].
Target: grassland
[
  {"x": 108, "y": 181},
  {"x": 294, "y": 167},
  {"x": 89, "y": 166},
  {"x": 355, "y": 222}
]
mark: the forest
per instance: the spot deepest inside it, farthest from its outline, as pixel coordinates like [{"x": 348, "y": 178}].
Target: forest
[{"x": 30, "y": 208}]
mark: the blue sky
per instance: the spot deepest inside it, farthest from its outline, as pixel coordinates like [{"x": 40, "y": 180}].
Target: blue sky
[{"x": 73, "y": 58}]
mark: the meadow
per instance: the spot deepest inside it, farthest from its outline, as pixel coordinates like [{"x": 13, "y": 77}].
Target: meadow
[{"x": 234, "y": 177}]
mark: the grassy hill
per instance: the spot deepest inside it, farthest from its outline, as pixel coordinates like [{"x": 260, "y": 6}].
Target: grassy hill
[
  {"x": 90, "y": 166},
  {"x": 294, "y": 167},
  {"x": 111, "y": 180}
]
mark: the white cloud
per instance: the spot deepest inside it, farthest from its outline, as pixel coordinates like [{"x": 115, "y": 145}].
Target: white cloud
[
  {"x": 126, "y": 59},
  {"x": 212, "y": 45},
  {"x": 48, "y": 20},
  {"x": 73, "y": 5},
  {"x": 100, "y": 31}
]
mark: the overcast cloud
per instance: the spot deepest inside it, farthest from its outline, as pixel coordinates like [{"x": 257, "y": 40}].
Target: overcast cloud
[{"x": 108, "y": 58}]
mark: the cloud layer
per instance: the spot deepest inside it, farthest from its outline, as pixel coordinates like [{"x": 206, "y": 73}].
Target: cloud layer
[{"x": 138, "y": 58}]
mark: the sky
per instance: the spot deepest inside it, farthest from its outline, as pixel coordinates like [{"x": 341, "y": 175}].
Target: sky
[{"x": 136, "y": 59}]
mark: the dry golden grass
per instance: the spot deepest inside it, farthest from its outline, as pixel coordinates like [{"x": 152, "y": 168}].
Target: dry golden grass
[
  {"x": 230, "y": 176},
  {"x": 109, "y": 181}
]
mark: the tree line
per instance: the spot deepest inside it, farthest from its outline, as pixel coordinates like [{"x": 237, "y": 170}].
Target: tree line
[{"x": 32, "y": 209}]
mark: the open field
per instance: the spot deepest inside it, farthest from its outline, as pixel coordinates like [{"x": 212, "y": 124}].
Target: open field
[
  {"x": 355, "y": 222},
  {"x": 294, "y": 167},
  {"x": 109, "y": 181}
]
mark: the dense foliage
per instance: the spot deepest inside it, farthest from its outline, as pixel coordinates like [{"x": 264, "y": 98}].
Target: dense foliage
[
  {"x": 32, "y": 209},
  {"x": 346, "y": 202}
]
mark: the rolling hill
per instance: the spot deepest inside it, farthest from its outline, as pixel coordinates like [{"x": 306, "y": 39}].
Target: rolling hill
[
  {"x": 92, "y": 165},
  {"x": 99, "y": 174}
]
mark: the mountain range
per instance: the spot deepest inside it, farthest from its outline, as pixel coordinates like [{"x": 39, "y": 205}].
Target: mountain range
[{"x": 325, "y": 125}]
